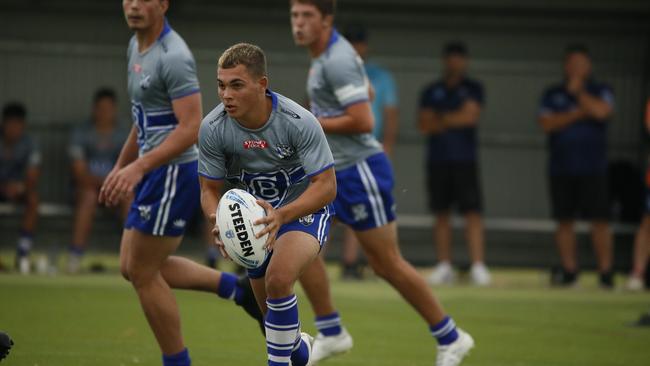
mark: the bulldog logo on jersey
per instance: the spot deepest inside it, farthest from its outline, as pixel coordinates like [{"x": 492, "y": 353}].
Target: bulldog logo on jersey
[
  {"x": 145, "y": 81},
  {"x": 285, "y": 151}
]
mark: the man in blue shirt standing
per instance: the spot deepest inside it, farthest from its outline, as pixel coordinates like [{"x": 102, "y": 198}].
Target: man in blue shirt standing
[
  {"x": 384, "y": 109},
  {"x": 574, "y": 114},
  {"x": 449, "y": 113}
]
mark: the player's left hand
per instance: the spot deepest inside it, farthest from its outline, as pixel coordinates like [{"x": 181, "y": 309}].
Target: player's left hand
[
  {"x": 119, "y": 185},
  {"x": 273, "y": 221}
]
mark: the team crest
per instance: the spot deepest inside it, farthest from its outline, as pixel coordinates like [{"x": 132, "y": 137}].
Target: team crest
[
  {"x": 230, "y": 234},
  {"x": 359, "y": 212},
  {"x": 145, "y": 212},
  {"x": 285, "y": 151},
  {"x": 145, "y": 81},
  {"x": 307, "y": 220}
]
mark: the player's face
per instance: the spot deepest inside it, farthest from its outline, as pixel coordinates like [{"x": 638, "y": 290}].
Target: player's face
[
  {"x": 307, "y": 23},
  {"x": 577, "y": 65},
  {"x": 455, "y": 65},
  {"x": 105, "y": 111},
  {"x": 13, "y": 128},
  {"x": 143, "y": 14},
  {"x": 239, "y": 91}
]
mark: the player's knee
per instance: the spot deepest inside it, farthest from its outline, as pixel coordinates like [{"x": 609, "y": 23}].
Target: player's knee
[
  {"x": 137, "y": 276},
  {"x": 278, "y": 284}
]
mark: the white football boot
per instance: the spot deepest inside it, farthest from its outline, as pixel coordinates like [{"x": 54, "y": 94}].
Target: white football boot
[
  {"x": 480, "y": 274},
  {"x": 443, "y": 273},
  {"x": 325, "y": 347},
  {"x": 453, "y": 354},
  {"x": 634, "y": 284}
]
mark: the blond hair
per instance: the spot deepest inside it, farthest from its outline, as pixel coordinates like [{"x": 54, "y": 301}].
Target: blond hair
[{"x": 249, "y": 55}]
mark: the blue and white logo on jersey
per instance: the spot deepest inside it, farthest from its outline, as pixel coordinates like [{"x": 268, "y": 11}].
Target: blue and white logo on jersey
[
  {"x": 271, "y": 187},
  {"x": 145, "y": 81},
  {"x": 307, "y": 220},
  {"x": 284, "y": 151}
]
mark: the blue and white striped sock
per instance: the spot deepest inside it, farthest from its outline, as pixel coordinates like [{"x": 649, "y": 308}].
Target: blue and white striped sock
[
  {"x": 282, "y": 330},
  {"x": 228, "y": 288},
  {"x": 300, "y": 353},
  {"x": 329, "y": 325},
  {"x": 445, "y": 331}
]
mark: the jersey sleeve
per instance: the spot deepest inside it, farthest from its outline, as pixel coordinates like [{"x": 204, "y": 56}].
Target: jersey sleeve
[
  {"x": 476, "y": 93},
  {"x": 607, "y": 95},
  {"x": 76, "y": 149},
  {"x": 212, "y": 162},
  {"x": 426, "y": 99},
  {"x": 312, "y": 147},
  {"x": 348, "y": 80},
  {"x": 179, "y": 74}
]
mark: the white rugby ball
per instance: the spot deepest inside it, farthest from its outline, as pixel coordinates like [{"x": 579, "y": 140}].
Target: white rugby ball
[{"x": 236, "y": 213}]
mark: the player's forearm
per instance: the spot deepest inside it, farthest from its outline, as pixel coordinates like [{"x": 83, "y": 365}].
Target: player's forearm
[
  {"x": 345, "y": 125},
  {"x": 557, "y": 121},
  {"x": 467, "y": 116},
  {"x": 428, "y": 123},
  {"x": 181, "y": 139},
  {"x": 595, "y": 106},
  {"x": 210, "y": 195},
  {"x": 129, "y": 150},
  {"x": 320, "y": 193}
]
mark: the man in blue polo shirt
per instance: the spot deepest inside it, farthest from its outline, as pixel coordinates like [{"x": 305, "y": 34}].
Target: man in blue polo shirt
[
  {"x": 449, "y": 113},
  {"x": 574, "y": 114}
]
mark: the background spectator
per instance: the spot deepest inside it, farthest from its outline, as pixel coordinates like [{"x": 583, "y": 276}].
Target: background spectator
[
  {"x": 574, "y": 114},
  {"x": 19, "y": 170},
  {"x": 94, "y": 148},
  {"x": 450, "y": 109}
]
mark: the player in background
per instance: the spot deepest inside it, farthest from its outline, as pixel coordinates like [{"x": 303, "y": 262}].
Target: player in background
[
  {"x": 385, "y": 113},
  {"x": 94, "y": 148},
  {"x": 268, "y": 145},
  {"x": 338, "y": 90},
  {"x": 20, "y": 161},
  {"x": 159, "y": 162}
]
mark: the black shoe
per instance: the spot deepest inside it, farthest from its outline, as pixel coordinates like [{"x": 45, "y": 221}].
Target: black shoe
[
  {"x": 352, "y": 272},
  {"x": 248, "y": 302},
  {"x": 607, "y": 280},
  {"x": 644, "y": 320},
  {"x": 5, "y": 345},
  {"x": 561, "y": 277}
]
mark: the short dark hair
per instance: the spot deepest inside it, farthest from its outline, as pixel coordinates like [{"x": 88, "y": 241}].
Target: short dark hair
[
  {"x": 356, "y": 32},
  {"x": 104, "y": 92},
  {"x": 326, "y": 7},
  {"x": 249, "y": 55},
  {"x": 577, "y": 48},
  {"x": 14, "y": 110},
  {"x": 454, "y": 48}
]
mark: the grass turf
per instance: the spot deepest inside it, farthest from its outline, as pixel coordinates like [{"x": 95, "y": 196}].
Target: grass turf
[{"x": 96, "y": 320}]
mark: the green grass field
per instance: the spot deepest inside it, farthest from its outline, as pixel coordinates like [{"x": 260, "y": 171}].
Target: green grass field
[{"x": 96, "y": 320}]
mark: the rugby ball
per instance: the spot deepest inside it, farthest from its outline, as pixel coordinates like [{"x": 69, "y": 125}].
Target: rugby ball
[{"x": 236, "y": 213}]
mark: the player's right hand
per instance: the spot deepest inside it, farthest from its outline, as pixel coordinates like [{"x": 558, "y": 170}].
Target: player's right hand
[{"x": 217, "y": 237}]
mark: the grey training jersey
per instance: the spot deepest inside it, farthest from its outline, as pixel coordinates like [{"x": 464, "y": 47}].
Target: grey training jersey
[
  {"x": 274, "y": 162},
  {"x": 99, "y": 150},
  {"x": 337, "y": 80},
  {"x": 17, "y": 158},
  {"x": 164, "y": 72}
]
